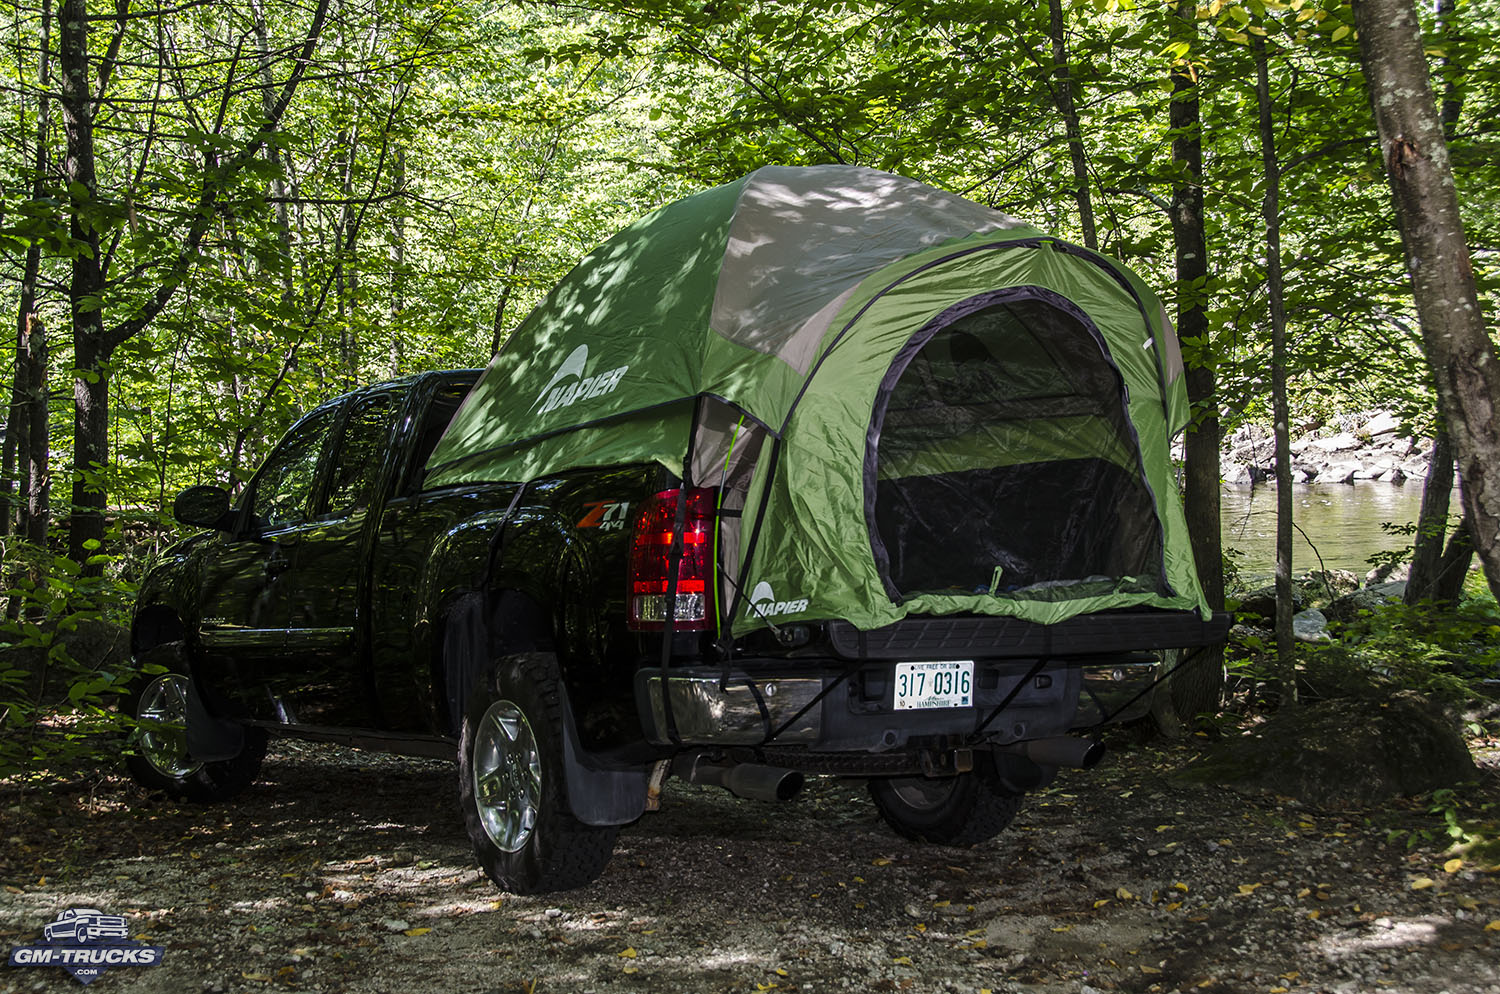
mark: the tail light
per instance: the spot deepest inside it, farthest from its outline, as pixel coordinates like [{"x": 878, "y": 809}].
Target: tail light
[{"x": 651, "y": 563}]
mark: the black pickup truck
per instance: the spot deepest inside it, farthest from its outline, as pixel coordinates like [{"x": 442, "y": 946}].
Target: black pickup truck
[{"x": 578, "y": 575}]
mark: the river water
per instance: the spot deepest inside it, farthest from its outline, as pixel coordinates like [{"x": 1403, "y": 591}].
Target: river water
[{"x": 1341, "y": 520}]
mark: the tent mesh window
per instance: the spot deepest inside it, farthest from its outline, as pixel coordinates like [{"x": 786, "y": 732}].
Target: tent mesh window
[{"x": 1004, "y": 462}]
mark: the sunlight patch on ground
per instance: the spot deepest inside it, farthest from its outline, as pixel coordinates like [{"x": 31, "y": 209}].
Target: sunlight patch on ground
[{"x": 1386, "y": 933}]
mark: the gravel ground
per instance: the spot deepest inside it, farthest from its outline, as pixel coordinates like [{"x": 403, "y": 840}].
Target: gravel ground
[{"x": 349, "y": 871}]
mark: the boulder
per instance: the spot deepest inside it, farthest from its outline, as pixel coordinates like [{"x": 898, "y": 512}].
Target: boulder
[
  {"x": 1389, "y": 573},
  {"x": 1348, "y": 607},
  {"x": 1262, "y": 601},
  {"x": 1342, "y": 442},
  {"x": 1343, "y": 471},
  {"x": 1310, "y": 626},
  {"x": 1380, "y": 423},
  {"x": 1328, "y": 584},
  {"x": 1340, "y": 753}
]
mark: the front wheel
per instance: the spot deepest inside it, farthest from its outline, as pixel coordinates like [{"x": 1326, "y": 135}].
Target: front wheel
[
  {"x": 962, "y": 810},
  {"x": 159, "y": 759},
  {"x": 511, "y": 783}
]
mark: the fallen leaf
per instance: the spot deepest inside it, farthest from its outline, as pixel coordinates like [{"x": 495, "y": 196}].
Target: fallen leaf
[
  {"x": 1101, "y": 902},
  {"x": 262, "y": 977},
  {"x": 1291, "y": 975},
  {"x": 880, "y": 861},
  {"x": 1248, "y": 888},
  {"x": 1149, "y": 969},
  {"x": 978, "y": 944},
  {"x": 1422, "y": 883},
  {"x": 1453, "y": 866},
  {"x": 902, "y": 960},
  {"x": 627, "y": 953},
  {"x": 766, "y": 987},
  {"x": 1179, "y": 885},
  {"x": 417, "y": 931},
  {"x": 1279, "y": 990},
  {"x": 630, "y": 968},
  {"x": 941, "y": 904},
  {"x": 9, "y": 889},
  {"x": 780, "y": 972},
  {"x": 1062, "y": 928},
  {"x": 1493, "y": 926},
  {"x": 1304, "y": 892},
  {"x": 1124, "y": 894},
  {"x": 1174, "y": 905},
  {"x": 1315, "y": 915}
]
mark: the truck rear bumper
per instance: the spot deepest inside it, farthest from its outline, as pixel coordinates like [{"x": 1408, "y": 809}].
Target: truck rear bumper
[{"x": 774, "y": 705}]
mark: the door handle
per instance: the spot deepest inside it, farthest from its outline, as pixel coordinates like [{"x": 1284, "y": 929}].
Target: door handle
[{"x": 277, "y": 562}]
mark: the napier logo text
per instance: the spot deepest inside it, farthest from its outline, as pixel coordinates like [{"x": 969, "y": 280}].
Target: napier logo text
[
  {"x": 86, "y": 942},
  {"x": 763, "y": 603},
  {"x": 568, "y": 385}
]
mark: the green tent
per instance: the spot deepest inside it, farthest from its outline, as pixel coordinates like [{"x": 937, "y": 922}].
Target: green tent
[{"x": 914, "y": 404}]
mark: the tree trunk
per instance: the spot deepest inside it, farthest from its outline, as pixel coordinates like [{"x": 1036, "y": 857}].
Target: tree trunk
[
  {"x": 1432, "y": 521},
  {"x": 85, "y": 292},
  {"x": 1454, "y": 335},
  {"x": 1197, "y": 688},
  {"x": 23, "y": 420},
  {"x": 36, "y": 514},
  {"x": 1271, "y": 210},
  {"x": 1453, "y": 567},
  {"x": 1062, "y": 78}
]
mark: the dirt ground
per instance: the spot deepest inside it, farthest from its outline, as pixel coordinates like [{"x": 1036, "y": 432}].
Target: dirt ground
[{"x": 348, "y": 871}]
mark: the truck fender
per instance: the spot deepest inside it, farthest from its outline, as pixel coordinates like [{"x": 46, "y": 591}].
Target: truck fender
[{"x": 598, "y": 793}]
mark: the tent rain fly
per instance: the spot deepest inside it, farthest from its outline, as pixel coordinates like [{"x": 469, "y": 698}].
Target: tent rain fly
[{"x": 921, "y": 405}]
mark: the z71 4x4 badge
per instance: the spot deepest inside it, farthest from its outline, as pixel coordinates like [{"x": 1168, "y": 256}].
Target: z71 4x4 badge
[{"x": 605, "y": 515}]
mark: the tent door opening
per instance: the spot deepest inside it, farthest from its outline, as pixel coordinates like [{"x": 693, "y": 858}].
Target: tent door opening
[{"x": 1001, "y": 459}]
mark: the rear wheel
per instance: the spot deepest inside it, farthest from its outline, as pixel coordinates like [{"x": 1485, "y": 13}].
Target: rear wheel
[
  {"x": 962, "y": 810},
  {"x": 512, "y": 787},
  {"x": 160, "y": 760}
]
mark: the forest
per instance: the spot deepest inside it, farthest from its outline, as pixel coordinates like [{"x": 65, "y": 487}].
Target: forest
[{"x": 218, "y": 215}]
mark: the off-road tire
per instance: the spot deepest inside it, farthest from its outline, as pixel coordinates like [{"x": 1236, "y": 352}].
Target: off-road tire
[
  {"x": 532, "y": 843},
  {"x": 962, "y": 810},
  {"x": 157, "y": 758}
]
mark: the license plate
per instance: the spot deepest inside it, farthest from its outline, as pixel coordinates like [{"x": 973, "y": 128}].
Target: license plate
[{"x": 934, "y": 685}]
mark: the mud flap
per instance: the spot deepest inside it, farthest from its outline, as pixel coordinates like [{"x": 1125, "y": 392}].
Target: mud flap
[
  {"x": 210, "y": 739},
  {"x": 598, "y": 795}
]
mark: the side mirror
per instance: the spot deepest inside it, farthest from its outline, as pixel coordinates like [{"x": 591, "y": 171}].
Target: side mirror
[{"x": 202, "y": 506}]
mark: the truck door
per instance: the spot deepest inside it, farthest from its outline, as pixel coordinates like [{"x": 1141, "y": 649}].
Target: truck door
[
  {"x": 243, "y": 615},
  {"x": 324, "y": 680}
]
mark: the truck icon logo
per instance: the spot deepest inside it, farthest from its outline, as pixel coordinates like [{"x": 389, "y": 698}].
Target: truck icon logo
[
  {"x": 86, "y": 925},
  {"x": 86, "y": 942}
]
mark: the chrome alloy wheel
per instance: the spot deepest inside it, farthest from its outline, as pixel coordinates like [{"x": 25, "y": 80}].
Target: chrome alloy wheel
[
  {"x": 507, "y": 776},
  {"x": 162, "y": 736}
]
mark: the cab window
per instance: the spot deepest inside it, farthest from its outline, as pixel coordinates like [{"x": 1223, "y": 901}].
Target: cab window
[{"x": 283, "y": 489}]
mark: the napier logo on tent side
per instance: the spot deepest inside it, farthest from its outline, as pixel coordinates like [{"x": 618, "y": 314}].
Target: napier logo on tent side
[
  {"x": 568, "y": 385},
  {"x": 763, "y": 603}
]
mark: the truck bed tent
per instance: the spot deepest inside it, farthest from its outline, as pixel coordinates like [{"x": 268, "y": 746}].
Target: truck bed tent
[{"x": 914, "y": 403}]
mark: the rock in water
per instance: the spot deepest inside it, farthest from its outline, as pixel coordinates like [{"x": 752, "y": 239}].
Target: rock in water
[{"x": 1345, "y": 752}]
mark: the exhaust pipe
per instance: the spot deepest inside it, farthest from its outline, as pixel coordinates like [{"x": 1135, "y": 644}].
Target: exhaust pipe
[
  {"x": 748, "y": 780},
  {"x": 1061, "y": 750}
]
